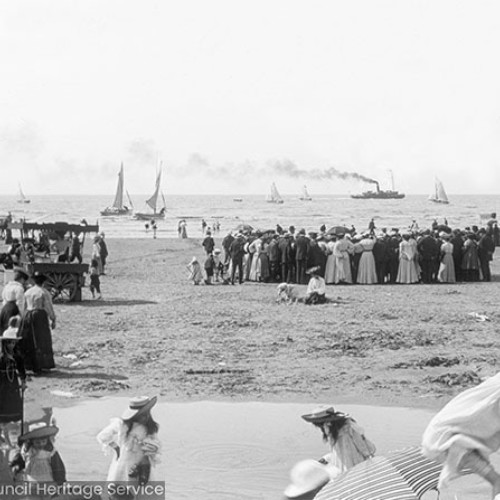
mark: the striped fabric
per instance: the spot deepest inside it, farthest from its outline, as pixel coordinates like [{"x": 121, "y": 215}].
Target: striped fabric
[{"x": 400, "y": 475}]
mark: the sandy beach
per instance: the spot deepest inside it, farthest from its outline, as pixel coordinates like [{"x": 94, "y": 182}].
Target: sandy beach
[{"x": 154, "y": 332}]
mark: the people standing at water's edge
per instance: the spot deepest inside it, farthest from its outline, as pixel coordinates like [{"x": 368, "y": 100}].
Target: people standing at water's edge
[
  {"x": 182, "y": 229},
  {"x": 36, "y": 327},
  {"x": 12, "y": 374},
  {"x": 348, "y": 443},
  {"x": 208, "y": 243},
  {"x": 133, "y": 439}
]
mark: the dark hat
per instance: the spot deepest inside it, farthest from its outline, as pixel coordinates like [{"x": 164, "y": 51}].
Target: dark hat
[
  {"x": 21, "y": 271},
  {"x": 39, "y": 277},
  {"x": 39, "y": 431}
]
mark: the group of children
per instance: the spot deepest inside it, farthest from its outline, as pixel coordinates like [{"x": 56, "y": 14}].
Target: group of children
[{"x": 213, "y": 266}]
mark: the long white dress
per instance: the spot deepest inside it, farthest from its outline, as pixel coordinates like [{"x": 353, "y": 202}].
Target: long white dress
[
  {"x": 330, "y": 263},
  {"x": 342, "y": 249},
  {"x": 254, "y": 249},
  {"x": 446, "y": 273},
  {"x": 351, "y": 447},
  {"x": 407, "y": 271},
  {"x": 132, "y": 448},
  {"x": 367, "y": 273},
  {"x": 470, "y": 421}
]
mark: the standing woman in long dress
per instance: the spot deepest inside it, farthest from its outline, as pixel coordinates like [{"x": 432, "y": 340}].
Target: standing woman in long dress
[
  {"x": 342, "y": 251},
  {"x": 367, "y": 272},
  {"x": 36, "y": 327},
  {"x": 330, "y": 260},
  {"x": 96, "y": 253},
  {"x": 446, "y": 273},
  {"x": 407, "y": 271},
  {"x": 133, "y": 437},
  {"x": 254, "y": 250}
]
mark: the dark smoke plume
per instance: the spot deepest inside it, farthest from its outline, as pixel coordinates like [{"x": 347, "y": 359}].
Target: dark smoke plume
[{"x": 288, "y": 168}]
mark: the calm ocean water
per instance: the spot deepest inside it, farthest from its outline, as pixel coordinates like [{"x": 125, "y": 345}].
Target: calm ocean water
[{"x": 330, "y": 210}]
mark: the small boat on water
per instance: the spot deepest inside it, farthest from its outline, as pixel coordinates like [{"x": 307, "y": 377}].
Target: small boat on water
[
  {"x": 274, "y": 196},
  {"x": 305, "y": 195},
  {"x": 22, "y": 198},
  {"x": 153, "y": 203},
  {"x": 118, "y": 208},
  {"x": 238, "y": 199},
  {"x": 439, "y": 195}
]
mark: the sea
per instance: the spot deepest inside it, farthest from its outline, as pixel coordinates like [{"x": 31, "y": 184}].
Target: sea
[{"x": 232, "y": 210}]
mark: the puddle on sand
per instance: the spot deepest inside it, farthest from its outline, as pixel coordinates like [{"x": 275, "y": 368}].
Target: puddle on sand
[{"x": 237, "y": 451}]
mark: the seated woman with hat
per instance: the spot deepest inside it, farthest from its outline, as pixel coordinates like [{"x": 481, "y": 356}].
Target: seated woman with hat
[
  {"x": 316, "y": 288},
  {"x": 346, "y": 438},
  {"x": 134, "y": 439}
]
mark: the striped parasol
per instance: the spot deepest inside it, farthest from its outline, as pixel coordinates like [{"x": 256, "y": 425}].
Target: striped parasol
[{"x": 399, "y": 475}]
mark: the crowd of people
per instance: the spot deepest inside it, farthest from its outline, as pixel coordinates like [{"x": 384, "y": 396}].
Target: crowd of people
[{"x": 438, "y": 254}]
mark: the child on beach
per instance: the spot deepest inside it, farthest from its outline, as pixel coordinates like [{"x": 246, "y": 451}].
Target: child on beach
[
  {"x": 209, "y": 268},
  {"x": 95, "y": 282},
  {"x": 195, "y": 274},
  {"x": 218, "y": 266},
  {"x": 39, "y": 460}
]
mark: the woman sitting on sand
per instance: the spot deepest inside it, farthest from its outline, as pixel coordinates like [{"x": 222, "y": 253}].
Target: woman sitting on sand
[{"x": 346, "y": 438}]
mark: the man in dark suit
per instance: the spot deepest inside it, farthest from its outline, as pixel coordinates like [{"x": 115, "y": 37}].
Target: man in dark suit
[
  {"x": 301, "y": 254},
  {"x": 237, "y": 251},
  {"x": 428, "y": 249}
]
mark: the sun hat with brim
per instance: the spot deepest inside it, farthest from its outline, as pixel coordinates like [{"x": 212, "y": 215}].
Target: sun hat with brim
[
  {"x": 138, "y": 405},
  {"x": 10, "y": 334},
  {"x": 323, "y": 414},
  {"x": 39, "y": 431},
  {"x": 306, "y": 476},
  {"x": 216, "y": 250},
  {"x": 312, "y": 270}
]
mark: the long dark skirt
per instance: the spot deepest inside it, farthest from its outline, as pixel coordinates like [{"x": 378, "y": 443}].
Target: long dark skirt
[
  {"x": 37, "y": 341},
  {"x": 11, "y": 405}
]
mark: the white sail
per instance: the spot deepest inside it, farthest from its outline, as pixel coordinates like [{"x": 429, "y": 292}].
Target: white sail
[
  {"x": 305, "y": 194},
  {"x": 153, "y": 201},
  {"x": 118, "y": 203},
  {"x": 22, "y": 198},
  {"x": 439, "y": 194},
  {"x": 274, "y": 196}
]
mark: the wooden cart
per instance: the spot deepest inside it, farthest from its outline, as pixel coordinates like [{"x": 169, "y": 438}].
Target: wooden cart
[{"x": 64, "y": 279}]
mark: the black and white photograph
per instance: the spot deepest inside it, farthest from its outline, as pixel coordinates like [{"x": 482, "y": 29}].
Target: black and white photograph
[{"x": 248, "y": 250}]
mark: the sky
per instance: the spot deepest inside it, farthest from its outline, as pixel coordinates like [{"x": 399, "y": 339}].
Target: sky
[{"x": 229, "y": 95}]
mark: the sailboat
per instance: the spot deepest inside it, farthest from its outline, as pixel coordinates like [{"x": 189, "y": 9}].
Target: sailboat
[
  {"x": 118, "y": 208},
  {"x": 305, "y": 195},
  {"x": 439, "y": 194},
  {"x": 152, "y": 203},
  {"x": 22, "y": 198},
  {"x": 274, "y": 196}
]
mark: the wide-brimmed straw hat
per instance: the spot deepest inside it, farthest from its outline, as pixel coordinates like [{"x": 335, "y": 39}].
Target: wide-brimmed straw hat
[
  {"x": 323, "y": 414},
  {"x": 40, "y": 430},
  {"x": 217, "y": 250},
  {"x": 306, "y": 476},
  {"x": 138, "y": 406}
]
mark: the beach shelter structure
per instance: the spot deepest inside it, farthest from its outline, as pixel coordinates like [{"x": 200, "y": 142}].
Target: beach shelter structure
[{"x": 398, "y": 475}]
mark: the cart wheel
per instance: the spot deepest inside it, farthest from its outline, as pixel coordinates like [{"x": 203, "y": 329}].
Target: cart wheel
[{"x": 62, "y": 287}]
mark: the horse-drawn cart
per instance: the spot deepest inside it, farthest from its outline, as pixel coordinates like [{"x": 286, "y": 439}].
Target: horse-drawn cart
[{"x": 45, "y": 249}]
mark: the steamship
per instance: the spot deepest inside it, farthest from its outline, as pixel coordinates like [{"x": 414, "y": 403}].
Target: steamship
[{"x": 380, "y": 194}]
